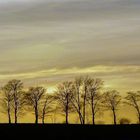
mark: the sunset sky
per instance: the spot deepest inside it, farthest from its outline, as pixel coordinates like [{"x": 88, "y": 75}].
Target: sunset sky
[{"x": 44, "y": 42}]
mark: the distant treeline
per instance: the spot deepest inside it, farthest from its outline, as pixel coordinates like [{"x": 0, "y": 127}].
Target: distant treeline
[{"x": 82, "y": 96}]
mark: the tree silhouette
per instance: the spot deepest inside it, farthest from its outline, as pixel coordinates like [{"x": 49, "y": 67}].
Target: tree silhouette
[
  {"x": 77, "y": 97},
  {"x": 64, "y": 96},
  {"x": 85, "y": 92},
  {"x": 83, "y": 97},
  {"x": 111, "y": 101},
  {"x": 94, "y": 97},
  {"x": 14, "y": 88},
  {"x": 7, "y": 101},
  {"x": 86, "y": 83},
  {"x": 33, "y": 98},
  {"x": 133, "y": 99},
  {"x": 46, "y": 107}
]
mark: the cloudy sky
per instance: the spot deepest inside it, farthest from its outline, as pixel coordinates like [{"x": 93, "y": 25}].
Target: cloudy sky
[{"x": 49, "y": 41}]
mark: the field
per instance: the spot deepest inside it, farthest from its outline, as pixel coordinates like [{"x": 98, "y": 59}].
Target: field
[{"x": 79, "y": 132}]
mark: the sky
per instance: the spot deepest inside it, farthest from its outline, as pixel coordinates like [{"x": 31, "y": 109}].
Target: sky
[{"x": 45, "y": 42}]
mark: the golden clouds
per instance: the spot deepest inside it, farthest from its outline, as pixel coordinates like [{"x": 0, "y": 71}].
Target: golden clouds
[{"x": 72, "y": 71}]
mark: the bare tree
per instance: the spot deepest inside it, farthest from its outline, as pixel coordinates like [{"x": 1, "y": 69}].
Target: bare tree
[
  {"x": 7, "y": 101},
  {"x": 80, "y": 94},
  {"x": 77, "y": 97},
  {"x": 133, "y": 99},
  {"x": 94, "y": 97},
  {"x": 64, "y": 96},
  {"x": 86, "y": 83},
  {"x": 46, "y": 107},
  {"x": 111, "y": 101},
  {"x": 15, "y": 88},
  {"x": 33, "y": 98}
]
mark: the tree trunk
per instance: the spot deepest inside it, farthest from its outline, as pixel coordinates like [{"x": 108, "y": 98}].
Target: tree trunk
[
  {"x": 15, "y": 107},
  {"x": 67, "y": 108},
  {"x": 93, "y": 119},
  {"x": 15, "y": 111},
  {"x": 43, "y": 115},
  {"x": 114, "y": 117},
  {"x": 67, "y": 112},
  {"x": 81, "y": 119},
  {"x": 67, "y": 117},
  {"x": 84, "y": 106},
  {"x": 139, "y": 118},
  {"x": 15, "y": 115},
  {"x": 36, "y": 113},
  {"x": 36, "y": 117},
  {"x": 137, "y": 108},
  {"x": 93, "y": 113},
  {"x": 84, "y": 113},
  {"x": 9, "y": 115}
]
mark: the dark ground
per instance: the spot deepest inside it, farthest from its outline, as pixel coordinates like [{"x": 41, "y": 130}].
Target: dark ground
[{"x": 61, "y": 131}]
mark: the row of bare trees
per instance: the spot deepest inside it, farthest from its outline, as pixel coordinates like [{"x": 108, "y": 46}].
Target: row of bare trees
[{"x": 78, "y": 96}]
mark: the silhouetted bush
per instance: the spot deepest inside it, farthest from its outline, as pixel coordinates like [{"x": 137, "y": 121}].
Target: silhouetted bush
[{"x": 124, "y": 121}]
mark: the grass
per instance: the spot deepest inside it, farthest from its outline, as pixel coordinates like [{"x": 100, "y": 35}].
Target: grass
[{"x": 72, "y": 131}]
